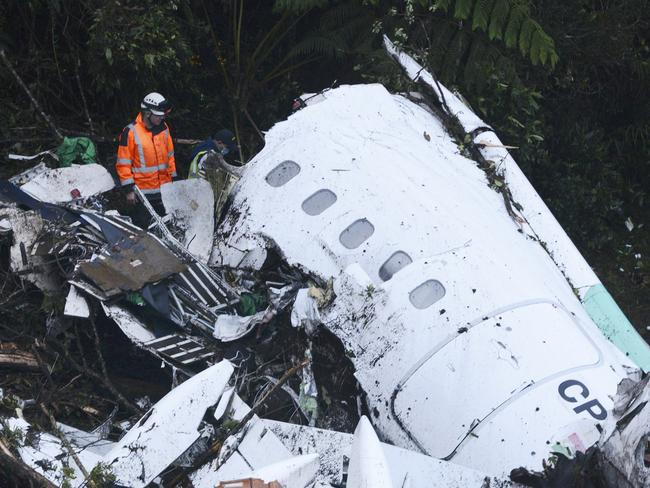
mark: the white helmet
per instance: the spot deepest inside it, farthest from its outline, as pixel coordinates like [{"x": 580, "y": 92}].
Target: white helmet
[{"x": 156, "y": 104}]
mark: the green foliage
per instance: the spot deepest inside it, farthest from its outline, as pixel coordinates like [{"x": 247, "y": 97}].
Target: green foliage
[
  {"x": 101, "y": 475},
  {"x": 68, "y": 476},
  {"x": 139, "y": 41},
  {"x": 507, "y": 20},
  {"x": 565, "y": 82},
  {"x": 298, "y": 6},
  {"x": 12, "y": 438}
]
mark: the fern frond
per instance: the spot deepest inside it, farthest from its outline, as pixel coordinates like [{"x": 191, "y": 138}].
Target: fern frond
[
  {"x": 635, "y": 134},
  {"x": 463, "y": 9},
  {"x": 347, "y": 20},
  {"x": 298, "y": 6},
  {"x": 442, "y": 5},
  {"x": 641, "y": 68},
  {"x": 481, "y": 15},
  {"x": 536, "y": 48},
  {"x": 525, "y": 35},
  {"x": 543, "y": 56},
  {"x": 325, "y": 46},
  {"x": 498, "y": 19},
  {"x": 511, "y": 34}
]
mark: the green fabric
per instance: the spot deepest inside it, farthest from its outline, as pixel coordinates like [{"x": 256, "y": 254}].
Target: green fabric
[
  {"x": 135, "y": 298},
  {"x": 76, "y": 150},
  {"x": 251, "y": 303},
  {"x": 194, "y": 165},
  {"x": 603, "y": 310}
]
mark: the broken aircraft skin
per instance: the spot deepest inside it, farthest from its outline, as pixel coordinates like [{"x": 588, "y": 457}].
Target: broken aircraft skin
[
  {"x": 466, "y": 335},
  {"x": 474, "y": 352},
  {"x": 176, "y": 431}
]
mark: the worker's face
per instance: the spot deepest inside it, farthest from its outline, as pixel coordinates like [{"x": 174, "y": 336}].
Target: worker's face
[
  {"x": 156, "y": 120},
  {"x": 223, "y": 149},
  {"x": 152, "y": 120}
]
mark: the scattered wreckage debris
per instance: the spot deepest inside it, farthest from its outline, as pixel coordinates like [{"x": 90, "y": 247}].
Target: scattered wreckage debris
[
  {"x": 440, "y": 286},
  {"x": 332, "y": 302},
  {"x": 96, "y": 253},
  {"x": 620, "y": 459},
  {"x": 205, "y": 420}
]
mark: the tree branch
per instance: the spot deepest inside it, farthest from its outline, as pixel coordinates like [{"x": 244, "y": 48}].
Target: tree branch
[{"x": 36, "y": 105}]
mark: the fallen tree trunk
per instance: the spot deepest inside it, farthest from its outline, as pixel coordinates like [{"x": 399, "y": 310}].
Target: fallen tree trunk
[
  {"x": 19, "y": 471},
  {"x": 17, "y": 359}
]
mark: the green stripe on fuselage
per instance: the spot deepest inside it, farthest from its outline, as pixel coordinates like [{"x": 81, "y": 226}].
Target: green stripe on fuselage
[{"x": 603, "y": 310}]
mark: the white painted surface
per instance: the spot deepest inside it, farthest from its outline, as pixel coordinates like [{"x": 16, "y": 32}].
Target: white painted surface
[
  {"x": 368, "y": 466},
  {"x": 132, "y": 327},
  {"x": 76, "y": 305},
  {"x": 47, "y": 450},
  {"x": 168, "y": 429},
  {"x": 55, "y": 185},
  {"x": 26, "y": 226},
  {"x": 191, "y": 205},
  {"x": 228, "y": 328},
  {"x": 540, "y": 222},
  {"x": 296, "y": 472},
  {"x": 254, "y": 448},
  {"x": 417, "y": 470},
  {"x": 507, "y": 309},
  {"x": 624, "y": 445}
]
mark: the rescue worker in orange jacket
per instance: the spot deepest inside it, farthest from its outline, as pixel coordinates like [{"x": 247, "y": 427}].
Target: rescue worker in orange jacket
[{"x": 145, "y": 155}]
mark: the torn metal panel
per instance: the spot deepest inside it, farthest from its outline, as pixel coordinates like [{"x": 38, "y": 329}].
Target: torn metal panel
[
  {"x": 198, "y": 278},
  {"x": 92, "y": 290},
  {"x": 27, "y": 227},
  {"x": 92, "y": 441},
  {"x": 191, "y": 206},
  {"x": 296, "y": 472},
  {"x": 225, "y": 403},
  {"x": 304, "y": 312},
  {"x": 537, "y": 221},
  {"x": 46, "y": 455},
  {"x": 228, "y": 328},
  {"x": 403, "y": 465},
  {"x": 76, "y": 305},
  {"x": 29, "y": 174},
  {"x": 141, "y": 334},
  {"x": 181, "y": 349},
  {"x": 132, "y": 327},
  {"x": 368, "y": 465},
  {"x": 467, "y": 293},
  {"x": 61, "y": 185},
  {"x": 245, "y": 253},
  {"x": 131, "y": 263},
  {"x": 253, "y": 449},
  {"x": 168, "y": 429},
  {"x": 625, "y": 442},
  {"x": 12, "y": 194}
]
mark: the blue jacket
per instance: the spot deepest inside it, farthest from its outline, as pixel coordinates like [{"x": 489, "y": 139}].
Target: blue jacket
[{"x": 207, "y": 145}]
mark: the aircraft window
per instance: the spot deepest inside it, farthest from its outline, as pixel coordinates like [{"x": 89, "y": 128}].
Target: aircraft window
[
  {"x": 282, "y": 173},
  {"x": 357, "y": 232},
  {"x": 426, "y": 294},
  {"x": 393, "y": 264},
  {"x": 319, "y": 202}
]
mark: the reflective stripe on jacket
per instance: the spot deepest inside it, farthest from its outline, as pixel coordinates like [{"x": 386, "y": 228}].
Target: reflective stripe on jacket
[
  {"x": 196, "y": 166},
  {"x": 145, "y": 157}
]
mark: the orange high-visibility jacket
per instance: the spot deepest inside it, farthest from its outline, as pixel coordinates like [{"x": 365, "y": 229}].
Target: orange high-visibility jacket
[{"x": 145, "y": 157}]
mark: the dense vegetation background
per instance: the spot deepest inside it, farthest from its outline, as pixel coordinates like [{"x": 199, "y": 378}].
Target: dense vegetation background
[{"x": 565, "y": 82}]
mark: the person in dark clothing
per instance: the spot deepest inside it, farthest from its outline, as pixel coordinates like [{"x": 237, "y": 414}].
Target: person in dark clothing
[{"x": 223, "y": 143}]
